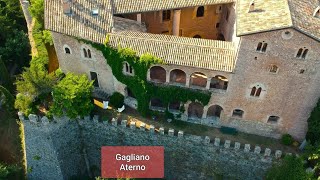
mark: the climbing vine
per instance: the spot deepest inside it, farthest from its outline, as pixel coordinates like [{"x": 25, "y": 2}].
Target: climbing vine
[{"x": 138, "y": 84}]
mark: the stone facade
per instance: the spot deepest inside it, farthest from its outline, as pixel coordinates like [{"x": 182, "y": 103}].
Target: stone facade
[{"x": 286, "y": 95}]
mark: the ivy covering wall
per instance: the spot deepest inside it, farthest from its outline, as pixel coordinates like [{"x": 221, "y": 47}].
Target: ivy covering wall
[{"x": 138, "y": 84}]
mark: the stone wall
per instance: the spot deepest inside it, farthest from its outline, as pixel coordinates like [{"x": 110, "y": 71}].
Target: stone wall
[{"x": 72, "y": 147}]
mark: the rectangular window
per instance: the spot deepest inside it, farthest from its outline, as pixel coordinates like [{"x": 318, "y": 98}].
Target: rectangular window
[{"x": 166, "y": 15}]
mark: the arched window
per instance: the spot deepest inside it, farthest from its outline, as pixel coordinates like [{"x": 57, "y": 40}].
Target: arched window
[
  {"x": 178, "y": 76},
  {"x": 317, "y": 12},
  {"x": 237, "y": 113},
  {"x": 273, "y": 119},
  {"x": 89, "y": 53},
  {"x": 253, "y": 91},
  {"x": 273, "y": 69},
  {"x": 256, "y": 91},
  {"x": 158, "y": 74},
  {"x": 197, "y": 36},
  {"x": 302, "y": 53},
  {"x": 262, "y": 46},
  {"x": 85, "y": 52},
  {"x": 219, "y": 82},
  {"x": 127, "y": 69},
  {"x": 198, "y": 79},
  {"x": 67, "y": 50},
  {"x": 200, "y": 11}
]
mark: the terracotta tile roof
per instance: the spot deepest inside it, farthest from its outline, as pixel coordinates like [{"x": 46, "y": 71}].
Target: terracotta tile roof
[
  {"x": 302, "y": 12},
  {"x": 131, "y": 6},
  {"x": 269, "y": 15},
  {"x": 278, "y": 14},
  {"x": 201, "y": 53},
  {"x": 80, "y": 23}
]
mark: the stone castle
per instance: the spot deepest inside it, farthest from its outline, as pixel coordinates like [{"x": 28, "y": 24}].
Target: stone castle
[{"x": 258, "y": 59}]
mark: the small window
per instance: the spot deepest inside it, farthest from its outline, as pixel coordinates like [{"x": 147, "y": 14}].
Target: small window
[
  {"x": 95, "y": 11},
  {"x": 238, "y": 113},
  {"x": 219, "y": 9},
  {"x": 302, "y": 53},
  {"x": 197, "y": 36},
  {"x": 274, "y": 69},
  {"x": 273, "y": 119},
  {"x": 200, "y": 11},
  {"x": 85, "y": 53},
  {"x": 256, "y": 92},
  {"x": 302, "y": 71},
  {"x": 262, "y": 46},
  {"x": 166, "y": 15},
  {"x": 67, "y": 50},
  {"x": 89, "y": 53},
  {"x": 128, "y": 69}
]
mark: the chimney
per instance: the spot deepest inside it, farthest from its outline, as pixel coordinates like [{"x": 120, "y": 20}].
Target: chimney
[{"x": 251, "y": 7}]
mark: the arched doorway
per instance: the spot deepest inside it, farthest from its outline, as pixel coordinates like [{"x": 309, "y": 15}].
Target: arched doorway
[
  {"x": 195, "y": 110},
  {"x": 178, "y": 76},
  {"x": 158, "y": 74},
  {"x": 214, "y": 112},
  {"x": 198, "y": 79},
  {"x": 219, "y": 82}
]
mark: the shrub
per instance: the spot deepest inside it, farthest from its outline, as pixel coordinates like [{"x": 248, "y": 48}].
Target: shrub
[
  {"x": 290, "y": 168},
  {"x": 116, "y": 100},
  {"x": 313, "y": 134},
  {"x": 228, "y": 130},
  {"x": 287, "y": 139}
]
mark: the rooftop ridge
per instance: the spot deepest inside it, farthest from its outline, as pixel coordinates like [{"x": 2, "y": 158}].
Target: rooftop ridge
[{"x": 148, "y": 36}]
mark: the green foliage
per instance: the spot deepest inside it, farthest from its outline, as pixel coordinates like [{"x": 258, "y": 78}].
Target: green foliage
[
  {"x": 291, "y": 168},
  {"x": 116, "y": 100},
  {"x": 47, "y": 38},
  {"x": 313, "y": 134},
  {"x": 8, "y": 99},
  {"x": 16, "y": 49},
  {"x": 72, "y": 96},
  {"x": 37, "y": 10},
  {"x": 287, "y": 139},
  {"x": 138, "y": 84},
  {"x": 5, "y": 77},
  {"x": 9, "y": 172}
]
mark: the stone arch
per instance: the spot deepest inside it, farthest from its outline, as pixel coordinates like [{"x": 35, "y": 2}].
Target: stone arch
[
  {"x": 195, "y": 110},
  {"x": 214, "y": 112},
  {"x": 219, "y": 82},
  {"x": 198, "y": 79},
  {"x": 178, "y": 76},
  {"x": 158, "y": 74},
  {"x": 200, "y": 11}
]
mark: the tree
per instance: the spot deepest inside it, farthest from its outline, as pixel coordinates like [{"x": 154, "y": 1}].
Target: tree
[
  {"x": 290, "y": 168},
  {"x": 8, "y": 99},
  {"x": 72, "y": 96},
  {"x": 5, "y": 77},
  {"x": 313, "y": 134},
  {"x": 10, "y": 172},
  {"x": 37, "y": 10}
]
